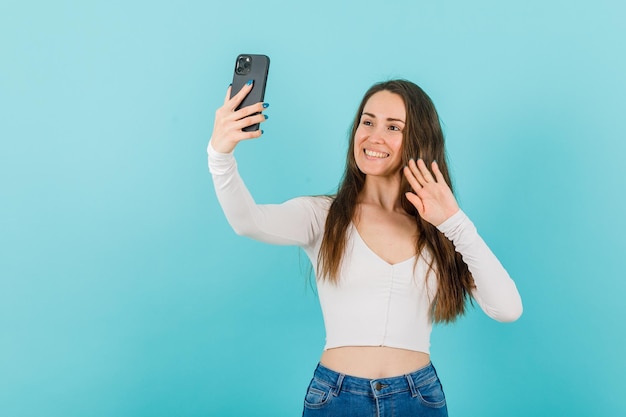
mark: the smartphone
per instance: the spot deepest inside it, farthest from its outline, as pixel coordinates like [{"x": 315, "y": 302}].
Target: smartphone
[{"x": 251, "y": 67}]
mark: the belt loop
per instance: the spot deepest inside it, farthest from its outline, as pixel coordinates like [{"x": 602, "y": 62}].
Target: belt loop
[
  {"x": 409, "y": 380},
  {"x": 338, "y": 386}
]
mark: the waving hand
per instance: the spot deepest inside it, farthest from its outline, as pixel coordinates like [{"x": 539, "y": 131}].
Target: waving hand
[{"x": 431, "y": 196}]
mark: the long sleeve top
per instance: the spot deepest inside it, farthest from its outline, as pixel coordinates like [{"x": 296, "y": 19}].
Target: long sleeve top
[{"x": 374, "y": 303}]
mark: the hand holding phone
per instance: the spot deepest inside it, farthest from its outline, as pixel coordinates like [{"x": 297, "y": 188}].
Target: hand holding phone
[
  {"x": 253, "y": 68},
  {"x": 239, "y": 118}
]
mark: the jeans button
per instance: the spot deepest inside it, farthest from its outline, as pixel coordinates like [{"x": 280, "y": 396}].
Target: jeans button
[{"x": 378, "y": 386}]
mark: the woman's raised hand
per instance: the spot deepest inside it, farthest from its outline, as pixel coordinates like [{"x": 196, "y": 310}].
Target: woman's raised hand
[
  {"x": 229, "y": 122},
  {"x": 431, "y": 196}
]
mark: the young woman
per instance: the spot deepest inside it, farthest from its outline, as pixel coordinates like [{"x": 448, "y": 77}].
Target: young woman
[{"x": 392, "y": 252}]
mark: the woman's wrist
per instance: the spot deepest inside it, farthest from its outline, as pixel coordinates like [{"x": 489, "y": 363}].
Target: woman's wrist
[{"x": 219, "y": 148}]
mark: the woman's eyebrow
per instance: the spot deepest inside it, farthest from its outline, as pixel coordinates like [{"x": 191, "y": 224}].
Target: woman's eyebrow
[{"x": 390, "y": 119}]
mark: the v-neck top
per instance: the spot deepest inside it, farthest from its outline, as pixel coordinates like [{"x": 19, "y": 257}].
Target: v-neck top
[{"x": 373, "y": 303}]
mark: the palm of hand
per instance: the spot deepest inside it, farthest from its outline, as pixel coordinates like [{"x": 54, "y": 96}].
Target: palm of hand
[{"x": 431, "y": 196}]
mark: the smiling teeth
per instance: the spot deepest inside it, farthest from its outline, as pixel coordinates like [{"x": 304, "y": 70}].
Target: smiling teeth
[{"x": 376, "y": 154}]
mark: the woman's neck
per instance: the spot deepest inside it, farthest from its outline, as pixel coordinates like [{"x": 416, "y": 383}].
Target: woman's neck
[{"x": 381, "y": 191}]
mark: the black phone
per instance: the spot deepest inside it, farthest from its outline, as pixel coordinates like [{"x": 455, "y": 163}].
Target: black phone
[{"x": 251, "y": 67}]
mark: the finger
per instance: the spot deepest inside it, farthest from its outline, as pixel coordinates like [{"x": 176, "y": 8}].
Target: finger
[
  {"x": 416, "y": 201},
  {"x": 251, "y": 109},
  {"x": 416, "y": 172},
  {"x": 250, "y": 135},
  {"x": 428, "y": 177},
  {"x": 437, "y": 172},
  {"x": 236, "y": 100},
  {"x": 250, "y": 120},
  {"x": 411, "y": 178},
  {"x": 230, "y": 87}
]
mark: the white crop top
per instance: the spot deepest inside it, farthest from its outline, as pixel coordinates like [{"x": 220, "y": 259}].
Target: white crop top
[{"x": 374, "y": 303}]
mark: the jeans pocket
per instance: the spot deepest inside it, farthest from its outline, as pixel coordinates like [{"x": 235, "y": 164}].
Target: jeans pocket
[
  {"x": 431, "y": 393},
  {"x": 318, "y": 394}
]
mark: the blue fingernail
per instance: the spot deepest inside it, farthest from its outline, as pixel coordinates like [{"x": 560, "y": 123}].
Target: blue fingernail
[
  {"x": 262, "y": 131},
  {"x": 266, "y": 116},
  {"x": 249, "y": 82},
  {"x": 266, "y": 105}
]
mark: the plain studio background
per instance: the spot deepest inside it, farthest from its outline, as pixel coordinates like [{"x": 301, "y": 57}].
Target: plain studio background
[{"x": 124, "y": 292}]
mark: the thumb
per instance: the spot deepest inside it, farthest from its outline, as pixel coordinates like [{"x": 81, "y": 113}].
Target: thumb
[{"x": 416, "y": 201}]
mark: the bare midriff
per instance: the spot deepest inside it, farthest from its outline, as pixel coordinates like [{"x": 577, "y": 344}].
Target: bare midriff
[{"x": 373, "y": 362}]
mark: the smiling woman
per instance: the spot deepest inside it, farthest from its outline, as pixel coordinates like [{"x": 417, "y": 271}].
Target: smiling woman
[
  {"x": 378, "y": 139},
  {"x": 392, "y": 252}
]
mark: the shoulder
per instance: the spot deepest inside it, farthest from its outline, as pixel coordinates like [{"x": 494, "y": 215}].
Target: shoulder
[
  {"x": 317, "y": 206},
  {"x": 318, "y": 202},
  {"x": 321, "y": 202},
  {"x": 313, "y": 209}
]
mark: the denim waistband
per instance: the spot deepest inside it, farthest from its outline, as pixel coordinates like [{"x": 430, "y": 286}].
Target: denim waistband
[{"x": 375, "y": 387}]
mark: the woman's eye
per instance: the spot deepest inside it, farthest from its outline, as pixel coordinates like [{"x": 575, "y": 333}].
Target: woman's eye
[
  {"x": 393, "y": 127},
  {"x": 367, "y": 123}
]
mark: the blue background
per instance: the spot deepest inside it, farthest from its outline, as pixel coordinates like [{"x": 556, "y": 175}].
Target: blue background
[{"x": 123, "y": 291}]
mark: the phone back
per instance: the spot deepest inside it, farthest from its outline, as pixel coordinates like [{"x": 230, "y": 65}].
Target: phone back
[{"x": 251, "y": 67}]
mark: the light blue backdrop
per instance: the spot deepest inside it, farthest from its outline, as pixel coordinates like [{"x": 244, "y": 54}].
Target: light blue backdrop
[{"x": 123, "y": 291}]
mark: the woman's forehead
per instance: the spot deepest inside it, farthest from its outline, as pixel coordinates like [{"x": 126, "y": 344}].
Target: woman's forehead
[{"x": 385, "y": 104}]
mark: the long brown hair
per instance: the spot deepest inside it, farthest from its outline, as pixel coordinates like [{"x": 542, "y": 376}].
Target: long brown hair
[{"x": 423, "y": 138}]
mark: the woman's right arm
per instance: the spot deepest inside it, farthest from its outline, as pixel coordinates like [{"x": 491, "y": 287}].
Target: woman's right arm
[{"x": 295, "y": 222}]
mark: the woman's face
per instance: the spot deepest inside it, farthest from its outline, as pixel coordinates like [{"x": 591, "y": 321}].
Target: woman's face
[{"x": 378, "y": 138}]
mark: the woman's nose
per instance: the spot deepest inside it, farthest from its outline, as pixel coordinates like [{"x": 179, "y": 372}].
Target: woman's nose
[{"x": 378, "y": 135}]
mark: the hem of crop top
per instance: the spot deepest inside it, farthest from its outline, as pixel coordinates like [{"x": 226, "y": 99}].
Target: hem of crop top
[{"x": 419, "y": 349}]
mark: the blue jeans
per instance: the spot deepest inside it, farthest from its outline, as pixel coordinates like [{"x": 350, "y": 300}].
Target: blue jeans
[{"x": 331, "y": 394}]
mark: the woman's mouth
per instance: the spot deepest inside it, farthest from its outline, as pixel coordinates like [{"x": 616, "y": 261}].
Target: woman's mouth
[{"x": 375, "y": 154}]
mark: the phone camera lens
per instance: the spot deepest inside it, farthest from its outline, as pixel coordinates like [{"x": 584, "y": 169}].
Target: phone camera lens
[{"x": 243, "y": 65}]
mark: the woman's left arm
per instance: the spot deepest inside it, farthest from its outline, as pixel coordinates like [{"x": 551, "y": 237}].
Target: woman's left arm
[{"x": 495, "y": 291}]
